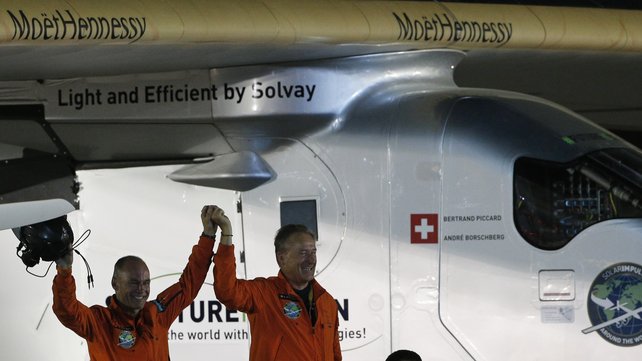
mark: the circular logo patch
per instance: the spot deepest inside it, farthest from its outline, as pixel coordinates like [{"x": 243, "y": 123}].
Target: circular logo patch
[
  {"x": 615, "y": 304},
  {"x": 126, "y": 339},
  {"x": 292, "y": 310}
]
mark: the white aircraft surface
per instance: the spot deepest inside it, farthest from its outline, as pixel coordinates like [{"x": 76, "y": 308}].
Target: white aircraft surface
[{"x": 462, "y": 165}]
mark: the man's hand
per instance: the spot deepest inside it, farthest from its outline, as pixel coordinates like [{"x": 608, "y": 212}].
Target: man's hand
[
  {"x": 66, "y": 260},
  {"x": 217, "y": 218},
  {"x": 209, "y": 227}
]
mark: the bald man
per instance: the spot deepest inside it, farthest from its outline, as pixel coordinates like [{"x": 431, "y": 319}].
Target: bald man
[{"x": 130, "y": 327}]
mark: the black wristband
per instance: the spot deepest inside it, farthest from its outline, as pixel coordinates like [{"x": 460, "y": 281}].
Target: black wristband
[{"x": 208, "y": 236}]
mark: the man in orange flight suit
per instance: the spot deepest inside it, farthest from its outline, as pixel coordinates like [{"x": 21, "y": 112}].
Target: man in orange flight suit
[
  {"x": 291, "y": 316},
  {"x": 131, "y": 328}
]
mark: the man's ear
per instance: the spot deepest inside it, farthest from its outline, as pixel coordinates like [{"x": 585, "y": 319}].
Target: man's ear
[
  {"x": 113, "y": 283},
  {"x": 279, "y": 258}
]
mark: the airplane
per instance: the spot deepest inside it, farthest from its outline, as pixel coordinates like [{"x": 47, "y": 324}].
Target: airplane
[
  {"x": 472, "y": 170},
  {"x": 617, "y": 307}
]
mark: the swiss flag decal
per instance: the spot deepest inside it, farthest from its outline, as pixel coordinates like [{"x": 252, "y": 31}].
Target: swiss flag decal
[{"x": 423, "y": 228}]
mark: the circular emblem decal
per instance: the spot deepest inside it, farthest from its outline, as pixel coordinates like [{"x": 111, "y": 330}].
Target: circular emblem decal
[
  {"x": 292, "y": 310},
  {"x": 126, "y": 339},
  {"x": 615, "y": 304}
]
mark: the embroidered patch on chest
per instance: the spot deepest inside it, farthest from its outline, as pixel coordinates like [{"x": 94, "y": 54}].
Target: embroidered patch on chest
[
  {"x": 292, "y": 310},
  {"x": 126, "y": 339}
]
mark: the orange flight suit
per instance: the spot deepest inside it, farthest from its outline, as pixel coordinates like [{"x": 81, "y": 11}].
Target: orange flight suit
[
  {"x": 280, "y": 326},
  {"x": 105, "y": 327}
]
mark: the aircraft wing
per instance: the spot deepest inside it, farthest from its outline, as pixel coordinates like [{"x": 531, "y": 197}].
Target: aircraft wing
[
  {"x": 584, "y": 58},
  {"x": 587, "y": 59}
]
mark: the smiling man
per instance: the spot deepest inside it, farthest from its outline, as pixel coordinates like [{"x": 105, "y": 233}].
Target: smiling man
[
  {"x": 130, "y": 327},
  {"x": 131, "y": 284},
  {"x": 291, "y": 316}
]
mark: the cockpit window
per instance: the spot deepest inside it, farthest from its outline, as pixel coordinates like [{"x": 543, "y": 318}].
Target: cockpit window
[{"x": 553, "y": 202}]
